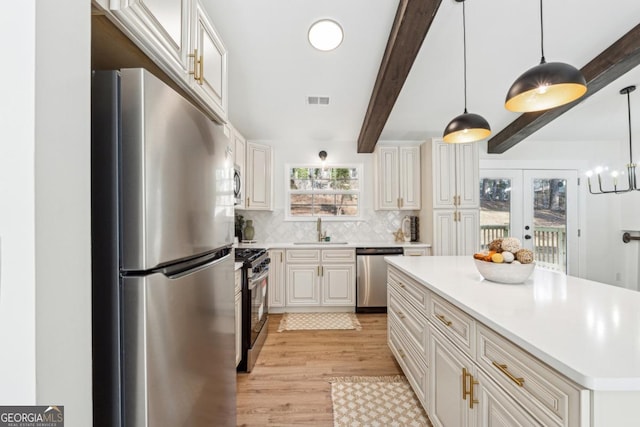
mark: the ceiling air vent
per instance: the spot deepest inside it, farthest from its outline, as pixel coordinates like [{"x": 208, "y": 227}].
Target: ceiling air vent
[{"x": 318, "y": 100}]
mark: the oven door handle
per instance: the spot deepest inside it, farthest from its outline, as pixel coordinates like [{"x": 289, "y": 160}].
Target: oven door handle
[{"x": 253, "y": 282}]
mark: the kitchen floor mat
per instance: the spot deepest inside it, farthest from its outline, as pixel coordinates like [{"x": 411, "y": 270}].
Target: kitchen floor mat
[
  {"x": 318, "y": 321},
  {"x": 376, "y": 401}
]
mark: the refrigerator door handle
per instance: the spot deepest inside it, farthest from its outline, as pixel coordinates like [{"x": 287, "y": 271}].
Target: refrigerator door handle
[{"x": 181, "y": 271}]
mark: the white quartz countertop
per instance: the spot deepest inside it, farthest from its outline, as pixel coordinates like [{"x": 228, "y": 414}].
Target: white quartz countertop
[
  {"x": 332, "y": 245},
  {"x": 586, "y": 330}
]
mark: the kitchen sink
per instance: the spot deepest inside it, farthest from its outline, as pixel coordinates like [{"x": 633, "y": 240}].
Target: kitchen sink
[{"x": 320, "y": 243}]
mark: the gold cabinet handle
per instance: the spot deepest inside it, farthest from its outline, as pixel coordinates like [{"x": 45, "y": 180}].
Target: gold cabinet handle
[
  {"x": 470, "y": 390},
  {"x": 464, "y": 384},
  {"x": 197, "y": 66},
  {"x": 505, "y": 370},
  {"x": 318, "y": 270},
  {"x": 281, "y": 257},
  {"x": 248, "y": 202},
  {"x": 472, "y": 399},
  {"x": 400, "y": 315},
  {"x": 444, "y": 319},
  {"x": 401, "y": 285},
  {"x": 402, "y": 353},
  {"x": 194, "y": 55}
]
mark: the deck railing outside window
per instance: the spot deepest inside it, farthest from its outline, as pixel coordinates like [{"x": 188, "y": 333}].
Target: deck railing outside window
[{"x": 549, "y": 244}]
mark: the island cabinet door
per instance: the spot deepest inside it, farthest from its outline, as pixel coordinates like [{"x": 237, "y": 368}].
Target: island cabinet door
[
  {"x": 497, "y": 409},
  {"x": 452, "y": 388}
]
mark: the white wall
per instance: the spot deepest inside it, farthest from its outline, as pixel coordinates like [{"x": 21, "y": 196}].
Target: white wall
[
  {"x": 603, "y": 255},
  {"x": 63, "y": 229},
  {"x": 17, "y": 245}
]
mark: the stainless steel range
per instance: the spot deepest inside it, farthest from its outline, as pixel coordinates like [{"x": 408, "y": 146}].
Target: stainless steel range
[{"x": 255, "y": 288}]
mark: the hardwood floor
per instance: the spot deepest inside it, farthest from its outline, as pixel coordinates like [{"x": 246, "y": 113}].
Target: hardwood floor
[{"x": 288, "y": 386}]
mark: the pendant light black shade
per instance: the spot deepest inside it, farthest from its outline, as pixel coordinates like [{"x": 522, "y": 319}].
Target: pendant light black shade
[
  {"x": 467, "y": 127},
  {"x": 545, "y": 86}
]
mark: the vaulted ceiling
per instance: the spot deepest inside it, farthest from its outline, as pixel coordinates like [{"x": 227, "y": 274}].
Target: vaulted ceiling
[{"x": 272, "y": 67}]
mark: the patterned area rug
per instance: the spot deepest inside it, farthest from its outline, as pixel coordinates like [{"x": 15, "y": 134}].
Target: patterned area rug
[
  {"x": 300, "y": 321},
  {"x": 375, "y": 401}
]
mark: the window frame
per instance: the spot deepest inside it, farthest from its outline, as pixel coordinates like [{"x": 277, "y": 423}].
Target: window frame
[{"x": 288, "y": 192}]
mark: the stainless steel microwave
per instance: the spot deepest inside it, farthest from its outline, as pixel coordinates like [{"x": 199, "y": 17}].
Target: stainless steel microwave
[{"x": 237, "y": 185}]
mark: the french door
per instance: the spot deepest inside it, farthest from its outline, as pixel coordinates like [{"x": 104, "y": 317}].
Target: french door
[{"x": 539, "y": 207}]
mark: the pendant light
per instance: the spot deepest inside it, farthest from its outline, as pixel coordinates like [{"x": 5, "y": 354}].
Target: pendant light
[
  {"x": 545, "y": 86},
  {"x": 467, "y": 127}
]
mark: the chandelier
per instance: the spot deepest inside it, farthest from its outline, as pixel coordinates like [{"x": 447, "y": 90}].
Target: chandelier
[{"x": 632, "y": 184}]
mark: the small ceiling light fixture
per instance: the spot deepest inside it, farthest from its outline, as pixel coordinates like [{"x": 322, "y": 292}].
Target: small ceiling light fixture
[
  {"x": 545, "y": 86},
  {"x": 325, "y": 35},
  {"x": 323, "y": 157},
  {"x": 631, "y": 167},
  {"x": 467, "y": 127}
]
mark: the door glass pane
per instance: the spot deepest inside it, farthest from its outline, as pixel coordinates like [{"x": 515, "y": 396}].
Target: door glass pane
[
  {"x": 495, "y": 209},
  {"x": 549, "y": 223}
]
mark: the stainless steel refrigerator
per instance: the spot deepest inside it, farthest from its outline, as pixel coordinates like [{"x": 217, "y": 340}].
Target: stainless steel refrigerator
[{"x": 162, "y": 279}]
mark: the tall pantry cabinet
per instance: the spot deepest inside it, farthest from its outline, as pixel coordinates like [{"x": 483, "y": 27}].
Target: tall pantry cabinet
[{"x": 450, "y": 217}]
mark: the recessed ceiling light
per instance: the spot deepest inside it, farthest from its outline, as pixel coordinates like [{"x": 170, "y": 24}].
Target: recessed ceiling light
[{"x": 325, "y": 35}]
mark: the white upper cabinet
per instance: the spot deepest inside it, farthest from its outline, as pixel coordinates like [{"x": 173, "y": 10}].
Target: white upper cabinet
[
  {"x": 208, "y": 76},
  {"x": 456, "y": 175},
  {"x": 180, "y": 38},
  {"x": 239, "y": 154},
  {"x": 259, "y": 178},
  {"x": 397, "y": 177},
  {"x": 161, "y": 25}
]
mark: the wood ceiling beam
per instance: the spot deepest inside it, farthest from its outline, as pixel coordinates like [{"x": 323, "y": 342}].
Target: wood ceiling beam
[
  {"x": 410, "y": 27},
  {"x": 613, "y": 62}
]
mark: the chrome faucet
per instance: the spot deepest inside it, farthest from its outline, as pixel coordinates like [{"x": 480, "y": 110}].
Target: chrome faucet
[{"x": 321, "y": 235}]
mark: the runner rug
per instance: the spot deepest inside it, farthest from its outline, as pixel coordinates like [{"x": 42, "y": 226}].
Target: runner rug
[
  {"x": 301, "y": 321},
  {"x": 376, "y": 401}
]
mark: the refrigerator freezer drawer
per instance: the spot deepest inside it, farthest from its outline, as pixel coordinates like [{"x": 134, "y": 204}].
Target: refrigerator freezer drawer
[{"x": 179, "y": 348}]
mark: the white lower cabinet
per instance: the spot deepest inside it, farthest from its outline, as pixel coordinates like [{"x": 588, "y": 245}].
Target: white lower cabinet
[
  {"x": 452, "y": 387},
  {"x": 320, "y": 277},
  {"x": 475, "y": 376},
  {"x": 277, "y": 278},
  {"x": 497, "y": 409},
  {"x": 336, "y": 284},
  {"x": 302, "y": 284}
]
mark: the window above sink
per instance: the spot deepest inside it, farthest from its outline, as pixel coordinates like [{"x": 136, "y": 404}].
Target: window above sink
[{"x": 331, "y": 193}]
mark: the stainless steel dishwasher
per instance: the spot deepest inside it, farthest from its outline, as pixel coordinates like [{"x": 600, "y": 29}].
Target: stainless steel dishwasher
[{"x": 371, "y": 278}]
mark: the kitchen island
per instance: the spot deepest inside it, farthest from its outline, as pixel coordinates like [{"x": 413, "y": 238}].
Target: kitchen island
[{"x": 555, "y": 350}]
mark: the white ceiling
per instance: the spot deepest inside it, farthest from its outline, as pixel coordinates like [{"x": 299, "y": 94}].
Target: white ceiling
[{"x": 272, "y": 67}]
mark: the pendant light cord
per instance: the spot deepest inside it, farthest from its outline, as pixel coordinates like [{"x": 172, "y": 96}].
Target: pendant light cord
[
  {"x": 464, "y": 44},
  {"x": 629, "y": 116},
  {"x": 542, "y": 60}
]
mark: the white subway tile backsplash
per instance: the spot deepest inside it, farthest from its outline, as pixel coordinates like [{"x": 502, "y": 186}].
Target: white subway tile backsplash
[{"x": 376, "y": 226}]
